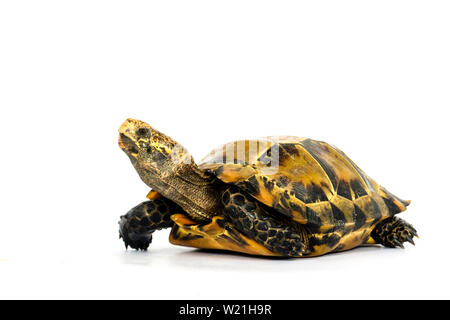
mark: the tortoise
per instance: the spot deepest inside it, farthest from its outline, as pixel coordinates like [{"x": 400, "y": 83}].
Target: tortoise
[{"x": 276, "y": 196}]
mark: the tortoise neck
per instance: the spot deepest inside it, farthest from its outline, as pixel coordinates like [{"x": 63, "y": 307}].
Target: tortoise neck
[{"x": 194, "y": 191}]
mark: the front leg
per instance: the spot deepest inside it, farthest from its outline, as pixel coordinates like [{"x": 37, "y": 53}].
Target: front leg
[{"x": 137, "y": 226}]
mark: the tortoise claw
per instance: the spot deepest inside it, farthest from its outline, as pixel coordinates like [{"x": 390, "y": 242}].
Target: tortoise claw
[
  {"x": 410, "y": 240},
  {"x": 398, "y": 243}
]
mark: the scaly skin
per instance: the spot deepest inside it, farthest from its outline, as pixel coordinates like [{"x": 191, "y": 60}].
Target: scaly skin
[
  {"x": 393, "y": 232},
  {"x": 256, "y": 222},
  {"x": 137, "y": 226}
]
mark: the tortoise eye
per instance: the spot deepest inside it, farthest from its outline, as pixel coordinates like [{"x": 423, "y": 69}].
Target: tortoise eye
[{"x": 143, "y": 132}]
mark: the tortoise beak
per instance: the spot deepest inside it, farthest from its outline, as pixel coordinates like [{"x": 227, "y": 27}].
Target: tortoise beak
[
  {"x": 127, "y": 144},
  {"x": 127, "y": 141}
]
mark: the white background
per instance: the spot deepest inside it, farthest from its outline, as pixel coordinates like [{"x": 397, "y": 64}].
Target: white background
[{"x": 371, "y": 77}]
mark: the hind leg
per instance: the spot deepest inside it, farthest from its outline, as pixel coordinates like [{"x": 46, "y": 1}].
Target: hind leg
[
  {"x": 138, "y": 225},
  {"x": 393, "y": 232},
  {"x": 256, "y": 222}
]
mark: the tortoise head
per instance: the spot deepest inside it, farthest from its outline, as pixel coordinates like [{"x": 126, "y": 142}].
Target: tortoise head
[{"x": 154, "y": 155}]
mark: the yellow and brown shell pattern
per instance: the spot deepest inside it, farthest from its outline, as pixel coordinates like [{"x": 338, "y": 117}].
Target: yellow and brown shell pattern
[{"x": 311, "y": 182}]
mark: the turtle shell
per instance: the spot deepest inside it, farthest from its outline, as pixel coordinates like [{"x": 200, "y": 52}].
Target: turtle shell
[{"x": 309, "y": 181}]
